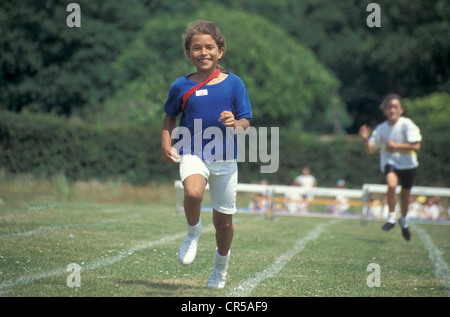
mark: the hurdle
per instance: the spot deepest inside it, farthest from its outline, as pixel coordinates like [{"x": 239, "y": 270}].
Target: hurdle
[
  {"x": 270, "y": 191},
  {"x": 360, "y": 196},
  {"x": 367, "y": 189}
]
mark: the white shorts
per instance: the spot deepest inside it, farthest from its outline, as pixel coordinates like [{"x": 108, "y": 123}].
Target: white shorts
[{"x": 221, "y": 176}]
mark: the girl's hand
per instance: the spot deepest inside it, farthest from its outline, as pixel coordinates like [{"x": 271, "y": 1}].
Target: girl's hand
[
  {"x": 171, "y": 155},
  {"x": 227, "y": 119}
]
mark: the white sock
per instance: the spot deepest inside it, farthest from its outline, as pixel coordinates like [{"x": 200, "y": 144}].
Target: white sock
[
  {"x": 403, "y": 222},
  {"x": 221, "y": 261},
  {"x": 195, "y": 230},
  {"x": 391, "y": 217}
]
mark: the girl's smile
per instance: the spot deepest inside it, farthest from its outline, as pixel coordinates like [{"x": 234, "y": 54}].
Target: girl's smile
[{"x": 204, "y": 53}]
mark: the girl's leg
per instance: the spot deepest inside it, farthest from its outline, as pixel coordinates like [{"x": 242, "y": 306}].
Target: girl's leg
[
  {"x": 222, "y": 186},
  {"x": 224, "y": 235},
  {"x": 224, "y": 231},
  {"x": 194, "y": 188}
]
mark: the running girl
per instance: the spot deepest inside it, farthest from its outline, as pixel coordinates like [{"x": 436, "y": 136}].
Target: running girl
[
  {"x": 398, "y": 139},
  {"x": 220, "y": 100}
]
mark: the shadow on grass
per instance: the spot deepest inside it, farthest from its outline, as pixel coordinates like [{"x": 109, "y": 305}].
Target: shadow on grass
[
  {"x": 165, "y": 288},
  {"x": 376, "y": 241}
]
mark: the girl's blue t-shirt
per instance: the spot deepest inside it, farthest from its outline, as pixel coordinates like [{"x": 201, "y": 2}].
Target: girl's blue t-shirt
[{"x": 209, "y": 138}]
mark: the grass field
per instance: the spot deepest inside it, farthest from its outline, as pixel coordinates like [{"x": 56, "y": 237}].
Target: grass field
[{"x": 125, "y": 241}]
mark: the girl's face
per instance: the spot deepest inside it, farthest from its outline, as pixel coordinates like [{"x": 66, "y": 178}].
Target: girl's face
[
  {"x": 204, "y": 53},
  {"x": 393, "y": 110}
]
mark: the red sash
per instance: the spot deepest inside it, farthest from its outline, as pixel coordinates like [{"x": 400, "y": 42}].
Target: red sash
[{"x": 191, "y": 91}]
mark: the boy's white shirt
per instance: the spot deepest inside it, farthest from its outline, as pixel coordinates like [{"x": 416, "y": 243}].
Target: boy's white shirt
[{"x": 403, "y": 131}]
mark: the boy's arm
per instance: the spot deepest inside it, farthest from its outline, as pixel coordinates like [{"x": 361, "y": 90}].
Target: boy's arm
[
  {"x": 170, "y": 153},
  {"x": 402, "y": 147},
  {"x": 364, "y": 132}
]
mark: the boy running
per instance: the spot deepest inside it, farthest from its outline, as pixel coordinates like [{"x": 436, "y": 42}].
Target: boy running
[{"x": 397, "y": 139}]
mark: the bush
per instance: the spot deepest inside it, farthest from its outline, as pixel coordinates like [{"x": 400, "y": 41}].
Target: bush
[{"x": 48, "y": 146}]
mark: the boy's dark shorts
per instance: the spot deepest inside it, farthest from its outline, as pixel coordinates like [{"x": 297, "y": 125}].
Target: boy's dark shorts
[{"x": 405, "y": 177}]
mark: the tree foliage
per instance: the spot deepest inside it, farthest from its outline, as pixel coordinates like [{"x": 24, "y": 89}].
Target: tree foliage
[
  {"x": 47, "y": 66},
  {"x": 409, "y": 54},
  {"x": 431, "y": 114},
  {"x": 43, "y": 144},
  {"x": 308, "y": 66},
  {"x": 286, "y": 83}
]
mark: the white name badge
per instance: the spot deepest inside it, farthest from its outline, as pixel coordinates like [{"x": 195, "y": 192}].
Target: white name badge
[{"x": 201, "y": 92}]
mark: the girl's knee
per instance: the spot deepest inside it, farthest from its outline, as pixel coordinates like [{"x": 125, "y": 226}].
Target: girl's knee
[
  {"x": 223, "y": 223},
  {"x": 223, "y": 226},
  {"x": 193, "y": 194}
]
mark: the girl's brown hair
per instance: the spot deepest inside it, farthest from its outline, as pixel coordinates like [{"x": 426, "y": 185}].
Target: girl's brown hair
[{"x": 204, "y": 27}]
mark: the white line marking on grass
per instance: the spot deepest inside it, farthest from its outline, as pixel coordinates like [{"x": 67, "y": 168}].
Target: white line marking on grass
[
  {"x": 35, "y": 231},
  {"x": 246, "y": 287},
  {"x": 441, "y": 270},
  {"x": 51, "y": 228},
  {"x": 25, "y": 279}
]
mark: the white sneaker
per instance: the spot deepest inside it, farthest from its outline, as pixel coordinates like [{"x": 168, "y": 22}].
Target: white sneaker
[
  {"x": 216, "y": 280},
  {"x": 188, "y": 249},
  {"x": 218, "y": 276}
]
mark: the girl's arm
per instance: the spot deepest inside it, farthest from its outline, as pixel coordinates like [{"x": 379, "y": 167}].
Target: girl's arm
[
  {"x": 170, "y": 153},
  {"x": 228, "y": 120}
]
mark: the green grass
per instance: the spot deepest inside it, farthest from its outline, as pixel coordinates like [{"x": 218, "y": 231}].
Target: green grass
[{"x": 129, "y": 249}]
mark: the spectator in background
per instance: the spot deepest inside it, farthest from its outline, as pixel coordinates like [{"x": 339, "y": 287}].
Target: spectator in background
[
  {"x": 260, "y": 201},
  {"x": 386, "y": 209},
  {"x": 448, "y": 207},
  {"x": 375, "y": 205},
  {"x": 341, "y": 205},
  {"x": 432, "y": 209},
  {"x": 307, "y": 181},
  {"x": 294, "y": 200},
  {"x": 416, "y": 207}
]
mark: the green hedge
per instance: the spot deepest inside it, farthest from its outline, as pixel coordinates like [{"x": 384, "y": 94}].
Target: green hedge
[
  {"x": 329, "y": 159},
  {"x": 46, "y": 145}
]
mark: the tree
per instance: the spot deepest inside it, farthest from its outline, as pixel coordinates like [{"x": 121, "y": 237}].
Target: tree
[
  {"x": 431, "y": 113},
  {"x": 47, "y": 66},
  {"x": 287, "y": 85},
  {"x": 409, "y": 54}
]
